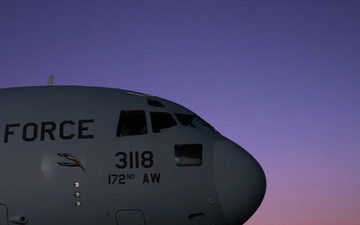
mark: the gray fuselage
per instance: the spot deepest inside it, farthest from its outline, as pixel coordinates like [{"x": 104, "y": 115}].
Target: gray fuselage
[{"x": 86, "y": 155}]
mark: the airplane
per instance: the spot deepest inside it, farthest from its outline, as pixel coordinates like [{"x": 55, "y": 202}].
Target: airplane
[{"x": 78, "y": 155}]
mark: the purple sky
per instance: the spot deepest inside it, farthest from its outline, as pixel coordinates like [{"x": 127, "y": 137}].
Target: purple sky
[{"x": 280, "y": 78}]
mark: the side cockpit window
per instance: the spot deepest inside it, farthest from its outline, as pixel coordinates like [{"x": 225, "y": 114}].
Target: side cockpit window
[
  {"x": 131, "y": 122},
  {"x": 161, "y": 120},
  {"x": 193, "y": 121},
  {"x": 188, "y": 155}
]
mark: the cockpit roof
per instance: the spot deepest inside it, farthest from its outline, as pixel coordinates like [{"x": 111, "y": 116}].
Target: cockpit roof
[{"x": 88, "y": 96}]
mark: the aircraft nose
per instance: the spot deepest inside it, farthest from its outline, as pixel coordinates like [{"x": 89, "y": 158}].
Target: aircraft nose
[{"x": 239, "y": 180}]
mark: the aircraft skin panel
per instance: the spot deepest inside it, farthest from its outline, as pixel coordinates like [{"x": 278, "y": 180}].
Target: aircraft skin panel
[
  {"x": 87, "y": 155},
  {"x": 134, "y": 215},
  {"x": 3, "y": 215}
]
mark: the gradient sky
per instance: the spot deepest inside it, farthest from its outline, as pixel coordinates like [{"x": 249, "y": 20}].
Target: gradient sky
[{"x": 280, "y": 78}]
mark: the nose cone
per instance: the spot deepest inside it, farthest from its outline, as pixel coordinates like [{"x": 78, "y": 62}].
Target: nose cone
[{"x": 239, "y": 180}]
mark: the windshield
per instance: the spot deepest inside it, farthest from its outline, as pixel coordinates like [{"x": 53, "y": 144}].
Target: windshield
[{"x": 194, "y": 121}]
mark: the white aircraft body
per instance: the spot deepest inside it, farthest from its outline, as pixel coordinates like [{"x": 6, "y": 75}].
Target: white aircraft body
[{"x": 99, "y": 156}]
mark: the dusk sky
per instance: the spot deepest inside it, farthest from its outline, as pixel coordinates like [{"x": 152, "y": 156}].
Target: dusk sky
[{"x": 280, "y": 78}]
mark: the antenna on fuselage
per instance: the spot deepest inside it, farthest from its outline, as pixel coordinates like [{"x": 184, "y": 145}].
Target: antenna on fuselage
[{"x": 51, "y": 80}]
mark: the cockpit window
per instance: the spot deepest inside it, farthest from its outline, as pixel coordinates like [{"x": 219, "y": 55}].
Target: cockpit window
[
  {"x": 131, "y": 122},
  {"x": 193, "y": 121},
  {"x": 188, "y": 155},
  {"x": 161, "y": 120}
]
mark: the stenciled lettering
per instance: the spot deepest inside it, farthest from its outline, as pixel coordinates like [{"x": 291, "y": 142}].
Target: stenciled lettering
[
  {"x": 64, "y": 124},
  {"x": 49, "y": 130},
  {"x": 48, "y": 127},
  {"x": 8, "y": 131},
  {"x": 120, "y": 178},
  {"x": 151, "y": 178},
  {"x": 30, "y": 131},
  {"x": 147, "y": 178},
  {"x": 83, "y": 128},
  {"x": 134, "y": 160}
]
